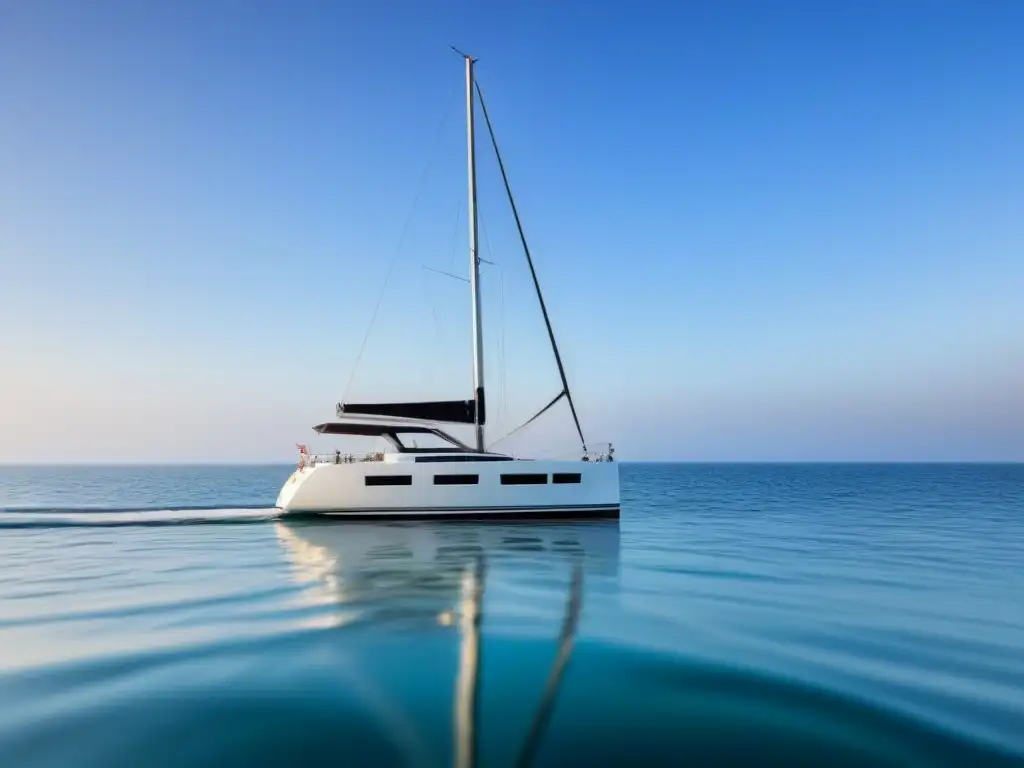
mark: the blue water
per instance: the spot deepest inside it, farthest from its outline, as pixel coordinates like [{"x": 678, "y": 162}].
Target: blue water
[{"x": 737, "y": 615}]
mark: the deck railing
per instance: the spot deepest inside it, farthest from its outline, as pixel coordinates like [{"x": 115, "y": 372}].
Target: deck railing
[
  {"x": 309, "y": 459},
  {"x": 606, "y": 454}
]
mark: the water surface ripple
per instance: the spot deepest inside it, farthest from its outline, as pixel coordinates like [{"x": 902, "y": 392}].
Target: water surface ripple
[{"x": 737, "y": 615}]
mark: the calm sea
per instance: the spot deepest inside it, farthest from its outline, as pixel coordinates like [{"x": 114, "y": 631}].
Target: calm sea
[{"x": 737, "y": 615}]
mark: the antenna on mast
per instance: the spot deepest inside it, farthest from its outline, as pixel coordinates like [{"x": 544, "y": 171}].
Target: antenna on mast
[{"x": 463, "y": 54}]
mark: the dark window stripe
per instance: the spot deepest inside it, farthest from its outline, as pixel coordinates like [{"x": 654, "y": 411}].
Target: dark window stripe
[
  {"x": 466, "y": 457},
  {"x": 565, "y": 477},
  {"x": 524, "y": 479},
  {"x": 389, "y": 479},
  {"x": 456, "y": 479}
]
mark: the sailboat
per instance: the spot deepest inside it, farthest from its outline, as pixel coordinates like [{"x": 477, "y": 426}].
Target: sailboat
[{"x": 451, "y": 480}]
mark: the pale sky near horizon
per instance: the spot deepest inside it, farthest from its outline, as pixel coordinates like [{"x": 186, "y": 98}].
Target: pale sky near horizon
[{"x": 785, "y": 231}]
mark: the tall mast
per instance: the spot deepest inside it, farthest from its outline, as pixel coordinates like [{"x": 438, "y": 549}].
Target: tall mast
[{"x": 474, "y": 264}]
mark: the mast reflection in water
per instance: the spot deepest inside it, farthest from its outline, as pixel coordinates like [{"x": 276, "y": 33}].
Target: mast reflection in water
[{"x": 433, "y": 579}]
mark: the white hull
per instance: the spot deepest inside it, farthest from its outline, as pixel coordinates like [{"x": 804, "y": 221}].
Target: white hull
[{"x": 485, "y": 489}]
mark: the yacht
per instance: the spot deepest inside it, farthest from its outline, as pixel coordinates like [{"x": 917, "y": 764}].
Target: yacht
[{"x": 450, "y": 479}]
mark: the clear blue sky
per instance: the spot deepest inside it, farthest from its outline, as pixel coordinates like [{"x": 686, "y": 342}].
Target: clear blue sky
[{"x": 781, "y": 231}]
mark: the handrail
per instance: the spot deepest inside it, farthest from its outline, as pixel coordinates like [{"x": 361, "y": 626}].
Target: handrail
[
  {"x": 608, "y": 454},
  {"x": 309, "y": 459}
]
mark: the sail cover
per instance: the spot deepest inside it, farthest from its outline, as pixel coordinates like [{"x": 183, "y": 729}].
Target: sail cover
[{"x": 452, "y": 411}]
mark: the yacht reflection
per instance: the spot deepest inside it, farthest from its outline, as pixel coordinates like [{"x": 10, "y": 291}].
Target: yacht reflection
[
  {"x": 439, "y": 573},
  {"x": 415, "y": 571}
]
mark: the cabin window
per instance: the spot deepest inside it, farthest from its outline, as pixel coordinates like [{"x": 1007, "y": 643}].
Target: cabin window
[
  {"x": 424, "y": 441},
  {"x": 524, "y": 479},
  {"x": 565, "y": 477},
  {"x": 456, "y": 479},
  {"x": 389, "y": 479}
]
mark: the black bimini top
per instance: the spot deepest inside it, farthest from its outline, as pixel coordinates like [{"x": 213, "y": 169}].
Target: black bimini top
[{"x": 375, "y": 430}]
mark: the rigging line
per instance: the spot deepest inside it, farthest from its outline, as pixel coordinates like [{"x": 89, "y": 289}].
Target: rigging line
[
  {"x": 500, "y": 336},
  {"x": 401, "y": 241},
  {"x": 446, "y": 274},
  {"x": 433, "y": 310},
  {"x": 533, "y": 272},
  {"x": 501, "y": 348},
  {"x": 530, "y": 420},
  {"x": 487, "y": 240},
  {"x": 455, "y": 236}
]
